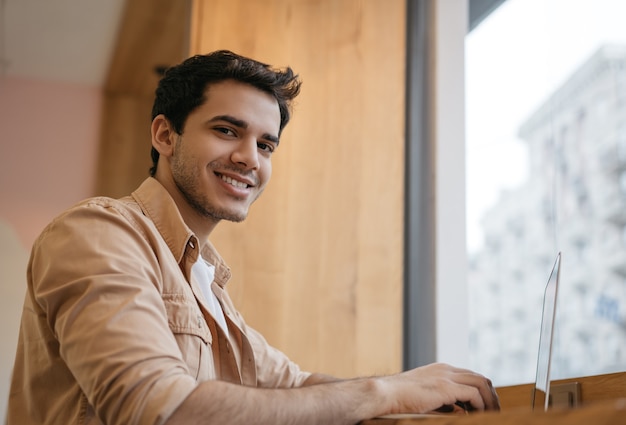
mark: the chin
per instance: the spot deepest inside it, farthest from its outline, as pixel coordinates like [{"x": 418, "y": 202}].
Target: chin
[
  {"x": 234, "y": 213},
  {"x": 234, "y": 216}
]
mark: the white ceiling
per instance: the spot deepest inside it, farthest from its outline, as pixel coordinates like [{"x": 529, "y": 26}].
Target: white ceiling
[
  {"x": 72, "y": 40},
  {"x": 59, "y": 40}
]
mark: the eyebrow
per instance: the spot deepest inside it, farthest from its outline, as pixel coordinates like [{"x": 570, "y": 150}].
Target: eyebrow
[{"x": 242, "y": 124}]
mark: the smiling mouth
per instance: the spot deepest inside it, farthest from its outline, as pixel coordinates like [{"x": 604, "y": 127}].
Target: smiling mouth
[{"x": 233, "y": 182}]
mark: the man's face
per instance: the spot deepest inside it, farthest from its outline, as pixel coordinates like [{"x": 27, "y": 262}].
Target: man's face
[{"x": 222, "y": 161}]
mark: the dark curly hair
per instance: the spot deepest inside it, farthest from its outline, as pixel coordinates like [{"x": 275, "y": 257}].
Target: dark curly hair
[{"x": 182, "y": 88}]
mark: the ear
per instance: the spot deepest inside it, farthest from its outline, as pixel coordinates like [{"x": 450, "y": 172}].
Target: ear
[{"x": 163, "y": 136}]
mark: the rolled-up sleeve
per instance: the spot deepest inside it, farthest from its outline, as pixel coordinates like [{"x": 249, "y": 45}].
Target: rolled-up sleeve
[
  {"x": 274, "y": 368},
  {"x": 95, "y": 275}
]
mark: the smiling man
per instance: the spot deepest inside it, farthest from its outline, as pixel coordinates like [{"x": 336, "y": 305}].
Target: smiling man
[
  {"x": 221, "y": 162},
  {"x": 127, "y": 319}
]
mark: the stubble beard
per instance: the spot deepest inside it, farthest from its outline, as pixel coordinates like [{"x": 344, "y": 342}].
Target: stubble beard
[
  {"x": 186, "y": 179},
  {"x": 203, "y": 206}
]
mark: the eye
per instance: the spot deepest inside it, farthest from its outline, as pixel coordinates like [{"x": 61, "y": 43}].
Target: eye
[
  {"x": 225, "y": 130},
  {"x": 266, "y": 147}
]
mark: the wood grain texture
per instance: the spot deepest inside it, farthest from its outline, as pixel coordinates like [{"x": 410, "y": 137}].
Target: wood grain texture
[
  {"x": 124, "y": 157},
  {"x": 152, "y": 34},
  {"x": 593, "y": 388},
  {"x": 317, "y": 266},
  {"x": 611, "y": 412}
]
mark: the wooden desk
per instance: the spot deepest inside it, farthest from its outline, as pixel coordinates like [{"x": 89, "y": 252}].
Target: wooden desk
[
  {"x": 603, "y": 402},
  {"x": 593, "y": 388},
  {"x": 611, "y": 412}
]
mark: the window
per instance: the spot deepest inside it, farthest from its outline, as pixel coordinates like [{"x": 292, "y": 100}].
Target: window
[{"x": 545, "y": 163}]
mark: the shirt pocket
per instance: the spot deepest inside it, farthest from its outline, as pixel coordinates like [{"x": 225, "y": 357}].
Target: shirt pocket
[{"x": 192, "y": 334}]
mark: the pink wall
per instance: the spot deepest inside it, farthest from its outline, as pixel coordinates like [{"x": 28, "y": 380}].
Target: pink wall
[{"x": 48, "y": 146}]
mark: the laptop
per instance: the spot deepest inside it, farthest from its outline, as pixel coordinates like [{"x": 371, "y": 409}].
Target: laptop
[{"x": 541, "y": 391}]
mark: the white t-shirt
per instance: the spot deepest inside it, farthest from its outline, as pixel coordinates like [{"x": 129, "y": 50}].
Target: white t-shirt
[{"x": 204, "y": 274}]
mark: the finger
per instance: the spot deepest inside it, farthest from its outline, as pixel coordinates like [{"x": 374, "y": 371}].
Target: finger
[
  {"x": 470, "y": 396},
  {"x": 487, "y": 394},
  {"x": 495, "y": 404},
  {"x": 457, "y": 408}
]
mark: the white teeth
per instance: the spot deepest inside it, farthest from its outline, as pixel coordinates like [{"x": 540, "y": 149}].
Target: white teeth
[{"x": 234, "y": 182}]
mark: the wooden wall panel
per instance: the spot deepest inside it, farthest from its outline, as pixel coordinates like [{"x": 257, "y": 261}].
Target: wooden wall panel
[
  {"x": 124, "y": 158},
  {"x": 318, "y": 264},
  {"x": 152, "y": 34}
]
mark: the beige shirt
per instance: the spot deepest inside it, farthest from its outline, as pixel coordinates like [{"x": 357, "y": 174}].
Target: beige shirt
[{"x": 115, "y": 330}]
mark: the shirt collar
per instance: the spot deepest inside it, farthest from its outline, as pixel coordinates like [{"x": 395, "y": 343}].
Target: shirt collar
[{"x": 157, "y": 204}]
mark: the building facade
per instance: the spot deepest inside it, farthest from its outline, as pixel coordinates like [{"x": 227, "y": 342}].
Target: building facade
[{"x": 573, "y": 201}]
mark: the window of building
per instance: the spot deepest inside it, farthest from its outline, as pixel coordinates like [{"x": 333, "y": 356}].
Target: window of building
[{"x": 545, "y": 90}]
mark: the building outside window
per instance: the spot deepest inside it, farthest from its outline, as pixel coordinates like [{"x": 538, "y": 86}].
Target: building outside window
[{"x": 546, "y": 143}]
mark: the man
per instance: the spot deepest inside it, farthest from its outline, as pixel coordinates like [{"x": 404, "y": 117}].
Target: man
[{"x": 126, "y": 318}]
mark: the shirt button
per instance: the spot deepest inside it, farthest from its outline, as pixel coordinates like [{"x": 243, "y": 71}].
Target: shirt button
[{"x": 199, "y": 321}]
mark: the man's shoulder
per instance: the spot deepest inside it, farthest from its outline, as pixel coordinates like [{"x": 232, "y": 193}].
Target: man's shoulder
[
  {"x": 128, "y": 204},
  {"x": 92, "y": 216},
  {"x": 99, "y": 205}
]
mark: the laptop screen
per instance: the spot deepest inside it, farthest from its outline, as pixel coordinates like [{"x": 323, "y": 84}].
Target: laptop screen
[{"x": 541, "y": 392}]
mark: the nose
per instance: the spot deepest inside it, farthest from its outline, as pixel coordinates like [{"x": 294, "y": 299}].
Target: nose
[{"x": 246, "y": 154}]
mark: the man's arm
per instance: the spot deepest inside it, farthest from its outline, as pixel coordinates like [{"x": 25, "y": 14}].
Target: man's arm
[
  {"x": 319, "y": 378},
  {"x": 420, "y": 390}
]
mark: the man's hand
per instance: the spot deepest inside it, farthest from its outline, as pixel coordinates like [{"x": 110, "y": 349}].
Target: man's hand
[{"x": 436, "y": 386}]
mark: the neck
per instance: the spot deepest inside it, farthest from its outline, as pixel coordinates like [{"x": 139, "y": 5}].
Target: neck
[{"x": 200, "y": 224}]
